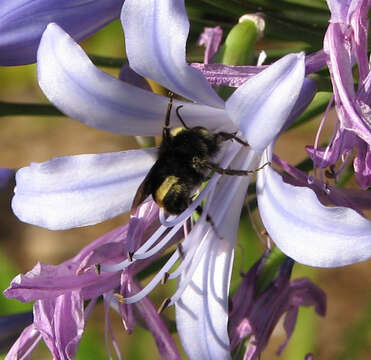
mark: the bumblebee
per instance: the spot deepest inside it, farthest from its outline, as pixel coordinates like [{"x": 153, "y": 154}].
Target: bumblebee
[{"x": 184, "y": 159}]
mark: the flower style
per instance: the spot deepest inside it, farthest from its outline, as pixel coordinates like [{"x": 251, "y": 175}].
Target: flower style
[
  {"x": 255, "y": 314},
  {"x": 24, "y": 21},
  {"x": 346, "y": 42},
  {"x": 96, "y": 187}
]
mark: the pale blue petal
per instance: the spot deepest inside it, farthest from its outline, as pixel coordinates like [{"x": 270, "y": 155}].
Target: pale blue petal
[
  {"x": 306, "y": 230},
  {"x": 203, "y": 307},
  {"x": 202, "y": 311},
  {"x": 72, "y": 191},
  {"x": 155, "y": 39},
  {"x": 23, "y": 22},
  {"x": 85, "y": 93},
  {"x": 262, "y": 105}
]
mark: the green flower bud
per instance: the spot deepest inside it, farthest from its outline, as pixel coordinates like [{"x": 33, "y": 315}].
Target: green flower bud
[{"x": 239, "y": 45}]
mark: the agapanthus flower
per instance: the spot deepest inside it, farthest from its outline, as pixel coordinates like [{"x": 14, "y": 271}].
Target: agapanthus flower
[
  {"x": 60, "y": 292},
  {"x": 24, "y": 21},
  {"x": 86, "y": 189},
  {"x": 255, "y": 313},
  {"x": 346, "y": 44}
]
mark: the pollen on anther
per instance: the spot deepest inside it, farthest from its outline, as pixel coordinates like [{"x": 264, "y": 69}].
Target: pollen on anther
[
  {"x": 119, "y": 298},
  {"x": 165, "y": 278},
  {"x": 163, "y": 305}
]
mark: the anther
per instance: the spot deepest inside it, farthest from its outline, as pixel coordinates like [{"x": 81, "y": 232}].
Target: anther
[
  {"x": 326, "y": 188},
  {"x": 130, "y": 256},
  {"x": 119, "y": 298},
  {"x": 213, "y": 226},
  {"x": 163, "y": 305},
  {"x": 165, "y": 278},
  {"x": 180, "y": 249},
  {"x": 97, "y": 269}
]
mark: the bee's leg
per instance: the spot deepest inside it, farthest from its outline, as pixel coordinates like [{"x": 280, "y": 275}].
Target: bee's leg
[
  {"x": 168, "y": 113},
  {"x": 179, "y": 117},
  {"x": 234, "y": 172},
  {"x": 199, "y": 211},
  {"x": 224, "y": 136}
]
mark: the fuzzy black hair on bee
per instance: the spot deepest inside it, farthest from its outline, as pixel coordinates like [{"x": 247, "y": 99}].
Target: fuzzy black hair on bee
[{"x": 184, "y": 159}]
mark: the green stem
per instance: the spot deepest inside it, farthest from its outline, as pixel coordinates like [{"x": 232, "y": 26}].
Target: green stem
[
  {"x": 345, "y": 176},
  {"x": 270, "y": 268},
  {"x": 105, "y": 61},
  {"x": 13, "y": 109},
  {"x": 304, "y": 338},
  {"x": 357, "y": 335}
]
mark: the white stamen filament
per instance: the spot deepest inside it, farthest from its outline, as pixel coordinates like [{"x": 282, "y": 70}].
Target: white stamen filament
[
  {"x": 122, "y": 265},
  {"x": 152, "y": 284},
  {"x": 160, "y": 245},
  {"x": 193, "y": 248},
  {"x": 190, "y": 251},
  {"x": 200, "y": 251}
]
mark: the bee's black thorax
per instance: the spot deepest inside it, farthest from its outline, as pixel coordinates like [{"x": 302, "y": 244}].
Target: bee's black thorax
[
  {"x": 174, "y": 174},
  {"x": 183, "y": 163}
]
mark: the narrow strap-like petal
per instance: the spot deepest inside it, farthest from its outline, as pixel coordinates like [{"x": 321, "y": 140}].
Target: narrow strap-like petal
[
  {"x": 61, "y": 323},
  {"x": 261, "y": 106},
  {"x": 339, "y": 9},
  {"x": 24, "y": 346},
  {"x": 23, "y": 22},
  {"x": 79, "y": 190},
  {"x": 155, "y": 39},
  {"x": 85, "y": 93},
  {"x": 306, "y": 230}
]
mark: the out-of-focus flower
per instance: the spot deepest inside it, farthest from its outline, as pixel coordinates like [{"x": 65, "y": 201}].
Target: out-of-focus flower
[
  {"x": 255, "y": 313},
  {"x": 60, "y": 291},
  {"x": 10, "y": 328},
  {"x": 24, "y": 21},
  {"x": 96, "y": 187},
  {"x": 5, "y": 176},
  {"x": 346, "y": 44},
  {"x": 211, "y": 39}
]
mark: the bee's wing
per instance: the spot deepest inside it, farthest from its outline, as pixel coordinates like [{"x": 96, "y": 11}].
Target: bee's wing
[{"x": 144, "y": 189}]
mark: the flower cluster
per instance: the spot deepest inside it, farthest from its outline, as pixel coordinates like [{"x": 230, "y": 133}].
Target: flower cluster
[
  {"x": 345, "y": 45},
  {"x": 80, "y": 190}
]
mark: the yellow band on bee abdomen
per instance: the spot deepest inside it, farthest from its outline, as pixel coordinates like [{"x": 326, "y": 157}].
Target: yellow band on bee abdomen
[{"x": 164, "y": 189}]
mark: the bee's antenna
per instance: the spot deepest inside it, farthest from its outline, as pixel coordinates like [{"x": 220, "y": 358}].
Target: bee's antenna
[
  {"x": 169, "y": 107},
  {"x": 179, "y": 117}
]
